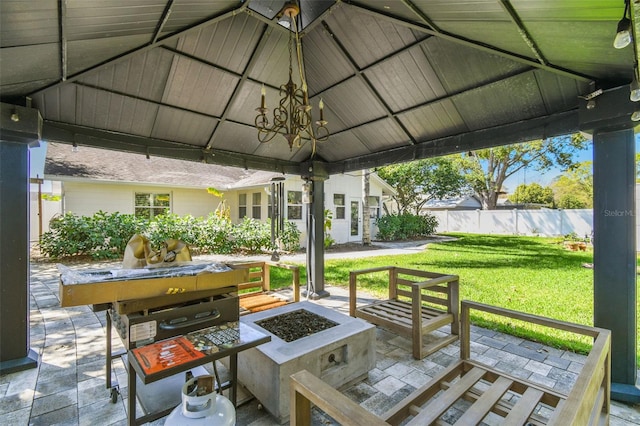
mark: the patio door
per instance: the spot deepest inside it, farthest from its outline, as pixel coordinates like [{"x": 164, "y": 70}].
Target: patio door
[{"x": 355, "y": 220}]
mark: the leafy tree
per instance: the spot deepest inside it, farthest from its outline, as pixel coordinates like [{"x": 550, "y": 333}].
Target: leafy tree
[
  {"x": 417, "y": 182},
  {"x": 574, "y": 188},
  {"x": 487, "y": 169},
  {"x": 534, "y": 193}
]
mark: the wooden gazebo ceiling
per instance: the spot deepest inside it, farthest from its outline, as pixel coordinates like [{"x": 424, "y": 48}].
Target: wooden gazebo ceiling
[{"x": 401, "y": 79}]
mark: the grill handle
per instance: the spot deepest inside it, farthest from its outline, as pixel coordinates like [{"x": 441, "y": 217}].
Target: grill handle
[{"x": 166, "y": 326}]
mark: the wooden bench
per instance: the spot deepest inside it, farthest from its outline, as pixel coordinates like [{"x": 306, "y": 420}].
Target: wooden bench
[
  {"x": 485, "y": 389},
  {"x": 256, "y": 295},
  {"x": 419, "y": 302}
]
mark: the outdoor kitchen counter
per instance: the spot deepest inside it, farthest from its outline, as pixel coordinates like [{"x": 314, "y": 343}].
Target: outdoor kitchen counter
[{"x": 167, "y": 358}]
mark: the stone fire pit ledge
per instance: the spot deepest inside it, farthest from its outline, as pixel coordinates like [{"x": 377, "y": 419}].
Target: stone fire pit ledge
[{"x": 340, "y": 356}]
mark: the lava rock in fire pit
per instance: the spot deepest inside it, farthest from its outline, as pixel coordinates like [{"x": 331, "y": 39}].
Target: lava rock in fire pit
[{"x": 295, "y": 325}]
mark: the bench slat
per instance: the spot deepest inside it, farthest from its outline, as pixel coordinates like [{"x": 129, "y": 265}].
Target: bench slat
[
  {"x": 439, "y": 405},
  {"x": 522, "y": 410},
  {"x": 485, "y": 403}
]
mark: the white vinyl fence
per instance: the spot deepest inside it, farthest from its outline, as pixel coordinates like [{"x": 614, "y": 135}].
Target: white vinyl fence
[{"x": 544, "y": 222}]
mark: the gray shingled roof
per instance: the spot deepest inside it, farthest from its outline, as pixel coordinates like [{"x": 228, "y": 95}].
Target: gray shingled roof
[{"x": 93, "y": 164}]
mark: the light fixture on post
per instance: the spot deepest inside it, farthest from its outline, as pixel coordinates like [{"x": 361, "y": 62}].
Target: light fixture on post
[
  {"x": 634, "y": 87},
  {"x": 623, "y": 32},
  {"x": 292, "y": 117}
]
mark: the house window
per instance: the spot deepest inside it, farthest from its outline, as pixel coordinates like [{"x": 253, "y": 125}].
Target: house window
[
  {"x": 374, "y": 207},
  {"x": 149, "y": 205},
  {"x": 256, "y": 205},
  {"x": 242, "y": 205},
  {"x": 294, "y": 205},
  {"x": 338, "y": 202}
]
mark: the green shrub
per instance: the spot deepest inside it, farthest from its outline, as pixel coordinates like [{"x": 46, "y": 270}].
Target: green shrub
[
  {"x": 213, "y": 235},
  {"x": 405, "y": 226},
  {"x": 252, "y": 236},
  {"x": 105, "y": 235},
  {"x": 101, "y": 236},
  {"x": 290, "y": 237}
]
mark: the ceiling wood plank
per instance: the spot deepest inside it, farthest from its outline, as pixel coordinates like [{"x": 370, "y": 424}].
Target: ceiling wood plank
[
  {"x": 466, "y": 42},
  {"x": 219, "y": 17}
]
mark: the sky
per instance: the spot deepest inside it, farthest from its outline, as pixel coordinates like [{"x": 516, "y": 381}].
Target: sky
[{"x": 545, "y": 178}]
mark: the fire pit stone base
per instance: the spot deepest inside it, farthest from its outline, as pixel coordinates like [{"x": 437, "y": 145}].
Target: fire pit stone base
[{"x": 340, "y": 355}]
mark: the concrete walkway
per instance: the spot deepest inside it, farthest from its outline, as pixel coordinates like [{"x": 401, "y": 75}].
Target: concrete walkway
[{"x": 69, "y": 386}]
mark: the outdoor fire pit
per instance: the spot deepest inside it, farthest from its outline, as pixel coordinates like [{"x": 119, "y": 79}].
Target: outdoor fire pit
[
  {"x": 335, "y": 347},
  {"x": 295, "y": 325}
]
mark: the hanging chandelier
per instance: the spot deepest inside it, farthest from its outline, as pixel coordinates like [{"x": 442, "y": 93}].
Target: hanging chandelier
[{"x": 292, "y": 117}]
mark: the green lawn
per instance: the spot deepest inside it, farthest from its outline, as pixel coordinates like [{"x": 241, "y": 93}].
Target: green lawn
[{"x": 530, "y": 274}]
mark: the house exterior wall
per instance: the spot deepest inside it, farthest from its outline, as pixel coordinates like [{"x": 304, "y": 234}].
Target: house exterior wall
[
  {"x": 348, "y": 185},
  {"x": 87, "y": 198}
]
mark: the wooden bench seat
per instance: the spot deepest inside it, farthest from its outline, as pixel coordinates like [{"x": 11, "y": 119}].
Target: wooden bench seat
[
  {"x": 256, "y": 295},
  {"x": 419, "y": 303},
  {"x": 478, "y": 390}
]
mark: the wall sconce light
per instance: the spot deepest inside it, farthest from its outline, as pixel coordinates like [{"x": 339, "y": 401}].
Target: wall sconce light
[
  {"x": 14, "y": 116},
  {"x": 74, "y": 148},
  {"x": 623, "y": 33},
  {"x": 636, "y": 115}
]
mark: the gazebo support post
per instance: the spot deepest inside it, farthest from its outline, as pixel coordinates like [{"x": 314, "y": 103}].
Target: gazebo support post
[
  {"x": 19, "y": 127},
  {"x": 614, "y": 210},
  {"x": 314, "y": 173}
]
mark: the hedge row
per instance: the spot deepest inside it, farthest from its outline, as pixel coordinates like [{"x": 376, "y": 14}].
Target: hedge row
[
  {"x": 405, "y": 226},
  {"x": 105, "y": 235}
]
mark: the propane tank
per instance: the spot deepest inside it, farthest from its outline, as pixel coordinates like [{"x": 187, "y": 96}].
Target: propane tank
[{"x": 202, "y": 405}]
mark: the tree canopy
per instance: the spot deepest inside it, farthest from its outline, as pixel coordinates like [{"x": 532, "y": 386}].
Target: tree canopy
[
  {"x": 574, "y": 188},
  {"x": 417, "y": 182},
  {"x": 533, "y": 193},
  {"x": 487, "y": 169}
]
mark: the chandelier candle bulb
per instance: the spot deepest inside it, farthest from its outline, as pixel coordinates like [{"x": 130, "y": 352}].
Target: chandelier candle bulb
[
  {"x": 263, "y": 94},
  {"x": 321, "y": 107}
]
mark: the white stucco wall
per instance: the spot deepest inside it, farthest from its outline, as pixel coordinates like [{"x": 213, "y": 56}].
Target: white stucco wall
[
  {"x": 350, "y": 185},
  {"x": 86, "y": 198}
]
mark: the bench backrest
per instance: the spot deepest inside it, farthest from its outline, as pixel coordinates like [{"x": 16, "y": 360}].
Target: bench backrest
[{"x": 260, "y": 277}]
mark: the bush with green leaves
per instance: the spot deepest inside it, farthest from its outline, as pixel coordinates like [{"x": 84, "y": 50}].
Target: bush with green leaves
[
  {"x": 101, "y": 236},
  {"x": 213, "y": 235},
  {"x": 252, "y": 236},
  {"x": 105, "y": 235},
  {"x": 405, "y": 226},
  {"x": 290, "y": 237}
]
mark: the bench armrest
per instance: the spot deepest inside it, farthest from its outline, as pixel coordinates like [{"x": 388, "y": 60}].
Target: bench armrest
[
  {"x": 353, "y": 291},
  {"x": 307, "y": 388}
]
